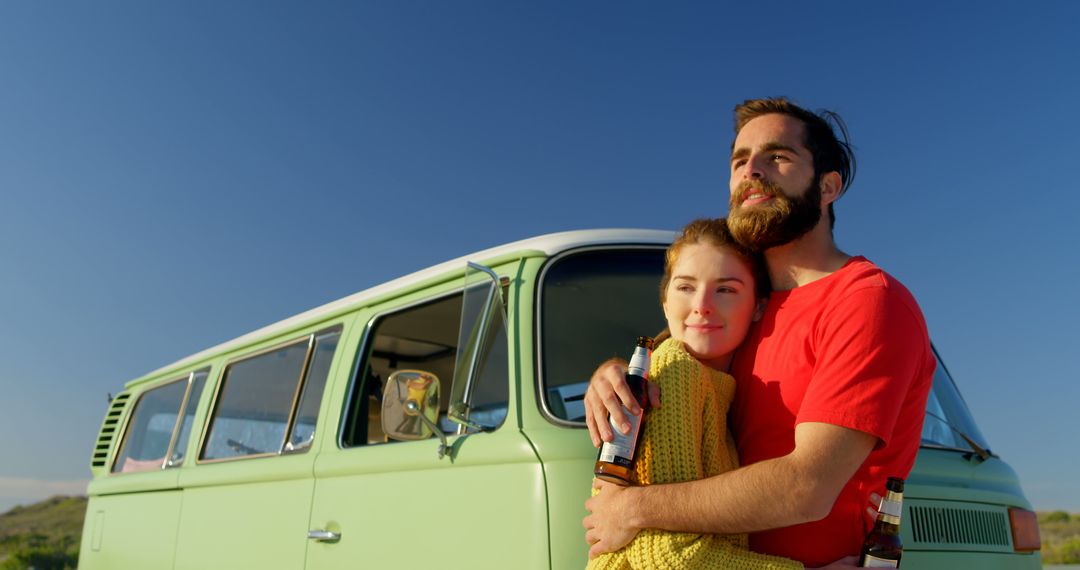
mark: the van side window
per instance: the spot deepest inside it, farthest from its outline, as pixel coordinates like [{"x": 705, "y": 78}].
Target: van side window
[
  {"x": 180, "y": 448},
  {"x": 259, "y": 395},
  {"x": 154, "y": 422},
  {"x": 303, "y": 432},
  {"x": 422, "y": 337},
  {"x": 593, "y": 305}
]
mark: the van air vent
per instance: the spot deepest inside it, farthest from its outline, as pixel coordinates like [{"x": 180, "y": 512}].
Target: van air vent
[
  {"x": 108, "y": 430},
  {"x": 972, "y": 526}
]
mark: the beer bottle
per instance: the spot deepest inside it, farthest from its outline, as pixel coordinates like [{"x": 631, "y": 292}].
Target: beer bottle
[
  {"x": 615, "y": 463},
  {"x": 882, "y": 547}
]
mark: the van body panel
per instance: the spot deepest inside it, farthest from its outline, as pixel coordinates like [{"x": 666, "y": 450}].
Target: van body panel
[
  {"x": 568, "y": 457},
  {"x": 954, "y": 475},
  {"x": 934, "y": 561},
  {"x": 130, "y": 531},
  {"x": 397, "y": 504},
  {"x": 247, "y": 512}
]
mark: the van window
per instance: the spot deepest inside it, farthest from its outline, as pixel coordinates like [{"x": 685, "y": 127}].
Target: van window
[
  {"x": 154, "y": 422},
  {"x": 593, "y": 306},
  {"x": 180, "y": 448},
  {"x": 259, "y": 395},
  {"x": 947, "y": 416},
  {"x": 422, "y": 337},
  {"x": 303, "y": 432}
]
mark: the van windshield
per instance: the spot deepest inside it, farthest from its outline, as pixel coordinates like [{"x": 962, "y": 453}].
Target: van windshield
[
  {"x": 593, "y": 304},
  {"x": 948, "y": 420}
]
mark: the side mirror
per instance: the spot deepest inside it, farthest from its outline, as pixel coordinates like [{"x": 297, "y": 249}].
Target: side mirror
[{"x": 410, "y": 406}]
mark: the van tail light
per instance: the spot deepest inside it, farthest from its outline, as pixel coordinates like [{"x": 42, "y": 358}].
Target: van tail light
[{"x": 1025, "y": 530}]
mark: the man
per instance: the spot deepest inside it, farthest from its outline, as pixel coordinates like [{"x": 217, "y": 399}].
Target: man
[{"x": 832, "y": 381}]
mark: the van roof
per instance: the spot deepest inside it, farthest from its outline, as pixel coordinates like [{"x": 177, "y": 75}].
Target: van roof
[{"x": 548, "y": 245}]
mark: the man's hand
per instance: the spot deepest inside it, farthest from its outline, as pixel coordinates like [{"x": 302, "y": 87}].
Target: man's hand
[
  {"x": 842, "y": 564},
  {"x": 607, "y": 394},
  {"x": 872, "y": 508},
  {"x": 608, "y": 527}
]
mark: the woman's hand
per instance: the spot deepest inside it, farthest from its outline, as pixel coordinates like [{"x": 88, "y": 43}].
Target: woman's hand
[{"x": 607, "y": 394}]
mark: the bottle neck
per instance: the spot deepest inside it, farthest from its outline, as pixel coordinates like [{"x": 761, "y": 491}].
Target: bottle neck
[
  {"x": 639, "y": 362},
  {"x": 890, "y": 508}
]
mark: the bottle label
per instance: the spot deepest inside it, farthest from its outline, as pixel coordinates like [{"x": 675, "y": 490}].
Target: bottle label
[
  {"x": 620, "y": 450},
  {"x": 875, "y": 562},
  {"x": 891, "y": 508}
]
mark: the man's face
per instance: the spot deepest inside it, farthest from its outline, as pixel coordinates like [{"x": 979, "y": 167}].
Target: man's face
[{"x": 774, "y": 196}]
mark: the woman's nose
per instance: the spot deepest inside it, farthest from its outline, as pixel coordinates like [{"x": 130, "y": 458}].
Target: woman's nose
[{"x": 703, "y": 305}]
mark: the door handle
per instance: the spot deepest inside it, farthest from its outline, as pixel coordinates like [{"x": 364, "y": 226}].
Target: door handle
[{"x": 323, "y": 535}]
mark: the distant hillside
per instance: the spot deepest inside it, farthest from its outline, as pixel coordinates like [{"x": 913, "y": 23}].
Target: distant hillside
[{"x": 44, "y": 536}]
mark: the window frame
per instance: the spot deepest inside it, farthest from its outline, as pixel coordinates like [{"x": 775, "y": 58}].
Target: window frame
[
  {"x": 362, "y": 355},
  {"x": 301, "y": 382},
  {"x": 538, "y": 334},
  {"x": 170, "y": 449}
]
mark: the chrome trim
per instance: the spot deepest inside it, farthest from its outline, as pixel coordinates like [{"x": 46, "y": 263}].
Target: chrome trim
[
  {"x": 180, "y": 419},
  {"x": 466, "y": 393},
  {"x": 300, "y": 383},
  {"x": 209, "y": 420},
  {"x": 541, "y": 281},
  {"x": 301, "y": 394},
  {"x": 323, "y": 535}
]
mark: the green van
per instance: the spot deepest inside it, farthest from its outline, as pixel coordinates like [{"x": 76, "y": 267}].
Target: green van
[{"x": 436, "y": 421}]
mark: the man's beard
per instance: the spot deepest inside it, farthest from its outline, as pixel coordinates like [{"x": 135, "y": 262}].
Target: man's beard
[{"x": 782, "y": 220}]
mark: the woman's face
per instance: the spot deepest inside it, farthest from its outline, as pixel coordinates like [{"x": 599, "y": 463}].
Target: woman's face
[{"x": 710, "y": 302}]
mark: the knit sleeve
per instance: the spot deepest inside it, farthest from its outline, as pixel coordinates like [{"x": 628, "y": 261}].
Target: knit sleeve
[{"x": 717, "y": 446}]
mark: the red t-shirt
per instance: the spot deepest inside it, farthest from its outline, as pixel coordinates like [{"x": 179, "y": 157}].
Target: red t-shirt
[{"x": 850, "y": 349}]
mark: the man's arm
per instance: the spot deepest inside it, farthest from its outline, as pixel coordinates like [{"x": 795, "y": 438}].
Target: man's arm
[{"x": 796, "y": 488}]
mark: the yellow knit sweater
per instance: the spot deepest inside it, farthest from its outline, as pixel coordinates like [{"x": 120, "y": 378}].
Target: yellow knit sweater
[{"x": 684, "y": 440}]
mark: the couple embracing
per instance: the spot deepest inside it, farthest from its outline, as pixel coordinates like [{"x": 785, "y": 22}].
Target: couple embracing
[{"x": 813, "y": 364}]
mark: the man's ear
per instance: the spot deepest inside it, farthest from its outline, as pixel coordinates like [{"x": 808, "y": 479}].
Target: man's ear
[
  {"x": 759, "y": 310},
  {"x": 831, "y": 183}
]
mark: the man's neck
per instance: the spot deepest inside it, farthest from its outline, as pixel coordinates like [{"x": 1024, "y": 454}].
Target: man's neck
[{"x": 804, "y": 260}]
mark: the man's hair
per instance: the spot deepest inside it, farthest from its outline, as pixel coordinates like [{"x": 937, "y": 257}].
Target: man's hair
[{"x": 831, "y": 153}]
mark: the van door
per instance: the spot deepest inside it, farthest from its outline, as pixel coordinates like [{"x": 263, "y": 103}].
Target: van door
[
  {"x": 246, "y": 503},
  {"x": 385, "y": 503}
]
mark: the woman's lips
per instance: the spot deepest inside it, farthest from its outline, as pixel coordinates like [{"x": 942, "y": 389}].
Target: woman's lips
[{"x": 704, "y": 328}]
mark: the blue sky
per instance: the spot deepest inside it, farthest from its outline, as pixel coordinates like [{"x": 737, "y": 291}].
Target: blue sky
[{"x": 176, "y": 174}]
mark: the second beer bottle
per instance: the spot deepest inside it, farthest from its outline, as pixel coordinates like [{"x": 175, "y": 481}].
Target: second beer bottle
[
  {"x": 615, "y": 463},
  {"x": 883, "y": 547}
]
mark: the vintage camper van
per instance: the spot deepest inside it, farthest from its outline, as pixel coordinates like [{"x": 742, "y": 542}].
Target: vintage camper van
[{"x": 436, "y": 421}]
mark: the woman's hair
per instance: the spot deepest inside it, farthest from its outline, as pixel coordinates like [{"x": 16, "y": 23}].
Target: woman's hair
[{"x": 715, "y": 232}]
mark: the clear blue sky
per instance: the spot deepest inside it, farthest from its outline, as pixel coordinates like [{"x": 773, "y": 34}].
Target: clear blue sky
[{"x": 174, "y": 174}]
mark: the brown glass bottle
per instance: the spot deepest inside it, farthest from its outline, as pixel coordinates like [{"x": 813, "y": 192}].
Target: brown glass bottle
[
  {"x": 882, "y": 547},
  {"x": 615, "y": 462}
]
